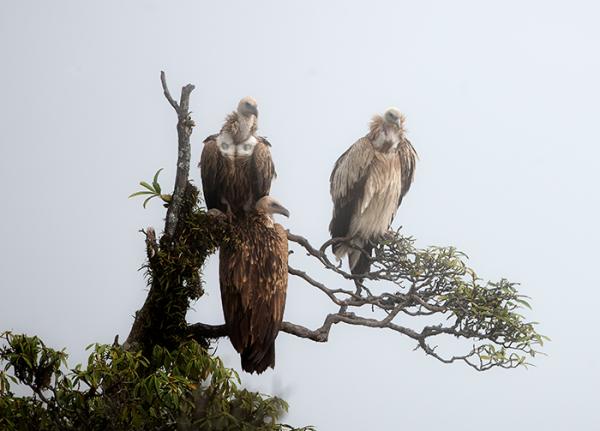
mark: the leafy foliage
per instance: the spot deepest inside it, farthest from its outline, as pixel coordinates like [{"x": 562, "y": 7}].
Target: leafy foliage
[
  {"x": 436, "y": 282},
  {"x": 183, "y": 389},
  {"x": 152, "y": 190},
  {"x": 441, "y": 295},
  {"x": 174, "y": 274}
]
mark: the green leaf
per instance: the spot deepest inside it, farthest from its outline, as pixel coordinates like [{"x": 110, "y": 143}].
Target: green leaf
[
  {"x": 147, "y": 199},
  {"x": 155, "y": 181},
  {"x": 148, "y": 186},
  {"x": 140, "y": 193},
  {"x": 27, "y": 361},
  {"x": 523, "y": 302},
  {"x": 156, "y": 175}
]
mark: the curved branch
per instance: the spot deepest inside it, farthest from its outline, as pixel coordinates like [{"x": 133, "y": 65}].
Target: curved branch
[
  {"x": 199, "y": 331},
  {"x": 167, "y": 93},
  {"x": 322, "y": 257}
]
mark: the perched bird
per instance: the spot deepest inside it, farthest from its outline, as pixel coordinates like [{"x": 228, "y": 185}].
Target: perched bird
[
  {"x": 367, "y": 185},
  {"x": 236, "y": 165},
  {"x": 253, "y": 273}
]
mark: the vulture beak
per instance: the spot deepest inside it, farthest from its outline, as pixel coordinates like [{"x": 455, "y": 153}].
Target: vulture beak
[
  {"x": 253, "y": 109},
  {"x": 277, "y": 208}
]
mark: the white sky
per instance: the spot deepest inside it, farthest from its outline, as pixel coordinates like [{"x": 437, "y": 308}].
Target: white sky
[{"x": 501, "y": 103}]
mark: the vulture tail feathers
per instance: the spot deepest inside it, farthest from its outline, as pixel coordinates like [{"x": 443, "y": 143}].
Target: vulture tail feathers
[
  {"x": 254, "y": 361},
  {"x": 339, "y": 227},
  {"x": 360, "y": 261}
]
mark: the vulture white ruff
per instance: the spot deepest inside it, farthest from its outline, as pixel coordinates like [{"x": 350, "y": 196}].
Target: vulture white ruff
[{"x": 236, "y": 165}]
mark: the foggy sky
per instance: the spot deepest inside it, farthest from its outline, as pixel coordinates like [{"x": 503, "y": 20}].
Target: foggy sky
[{"x": 501, "y": 101}]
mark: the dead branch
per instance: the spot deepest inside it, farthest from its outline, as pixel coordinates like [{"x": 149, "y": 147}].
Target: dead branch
[{"x": 184, "y": 131}]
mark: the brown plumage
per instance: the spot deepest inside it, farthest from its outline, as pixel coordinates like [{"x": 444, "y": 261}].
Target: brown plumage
[
  {"x": 253, "y": 274},
  {"x": 367, "y": 185},
  {"x": 236, "y": 165}
]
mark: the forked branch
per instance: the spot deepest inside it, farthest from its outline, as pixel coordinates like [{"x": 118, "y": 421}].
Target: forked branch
[{"x": 184, "y": 131}]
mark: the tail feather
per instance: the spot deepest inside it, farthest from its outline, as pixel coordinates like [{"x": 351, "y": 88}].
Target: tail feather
[
  {"x": 257, "y": 361},
  {"x": 358, "y": 255},
  {"x": 359, "y": 261}
]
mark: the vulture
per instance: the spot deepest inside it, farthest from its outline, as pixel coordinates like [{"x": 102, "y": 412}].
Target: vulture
[
  {"x": 367, "y": 185},
  {"x": 236, "y": 165},
  {"x": 253, "y": 273}
]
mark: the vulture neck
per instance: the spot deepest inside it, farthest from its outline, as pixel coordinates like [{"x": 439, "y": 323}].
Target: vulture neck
[
  {"x": 266, "y": 219},
  {"x": 247, "y": 127},
  {"x": 385, "y": 137},
  {"x": 239, "y": 127}
]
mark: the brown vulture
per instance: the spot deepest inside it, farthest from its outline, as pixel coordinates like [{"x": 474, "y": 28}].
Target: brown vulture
[
  {"x": 236, "y": 165},
  {"x": 367, "y": 185},
  {"x": 253, "y": 273}
]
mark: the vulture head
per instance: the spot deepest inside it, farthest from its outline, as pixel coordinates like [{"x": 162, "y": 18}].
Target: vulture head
[
  {"x": 393, "y": 117},
  {"x": 247, "y": 107},
  {"x": 387, "y": 130},
  {"x": 269, "y": 206}
]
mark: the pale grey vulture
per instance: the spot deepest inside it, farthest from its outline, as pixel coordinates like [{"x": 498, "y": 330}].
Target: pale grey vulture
[{"x": 368, "y": 183}]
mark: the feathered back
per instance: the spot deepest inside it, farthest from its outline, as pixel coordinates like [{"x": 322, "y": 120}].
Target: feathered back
[{"x": 253, "y": 275}]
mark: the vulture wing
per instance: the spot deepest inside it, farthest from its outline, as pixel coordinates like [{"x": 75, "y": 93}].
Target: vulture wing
[
  {"x": 263, "y": 169},
  {"x": 347, "y": 185},
  {"x": 408, "y": 161},
  {"x": 210, "y": 168}
]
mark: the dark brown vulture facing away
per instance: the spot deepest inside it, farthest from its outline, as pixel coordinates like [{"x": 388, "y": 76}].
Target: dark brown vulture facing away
[
  {"x": 253, "y": 272},
  {"x": 236, "y": 165},
  {"x": 368, "y": 183}
]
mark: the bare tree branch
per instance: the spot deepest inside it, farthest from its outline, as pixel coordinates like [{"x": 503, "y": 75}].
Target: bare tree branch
[
  {"x": 184, "y": 131},
  {"x": 199, "y": 331},
  {"x": 167, "y": 93}
]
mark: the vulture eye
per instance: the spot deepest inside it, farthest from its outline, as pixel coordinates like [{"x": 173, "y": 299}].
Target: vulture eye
[
  {"x": 247, "y": 147},
  {"x": 224, "y": 146}
]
